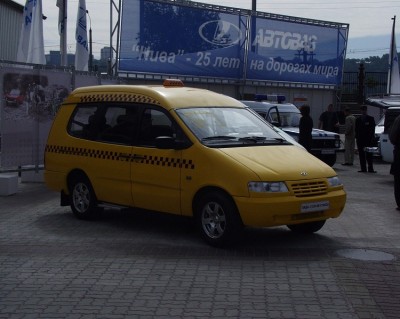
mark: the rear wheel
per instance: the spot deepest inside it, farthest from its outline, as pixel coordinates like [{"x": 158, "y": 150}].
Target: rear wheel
[
  {"x": 307, "y": 228},
  {"x": 217, "y": 219},
  {"x": 83, "y": 199}
]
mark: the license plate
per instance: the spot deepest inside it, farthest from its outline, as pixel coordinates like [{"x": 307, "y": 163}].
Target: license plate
[
  {"x": 327, "y": 152},
  {"x": 314, "y": 206}
]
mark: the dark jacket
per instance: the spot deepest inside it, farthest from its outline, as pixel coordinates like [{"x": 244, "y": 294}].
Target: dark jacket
[
  {"x": 394, "y": 137},
  {"x": 365, "y": 130},
  {"x": 305, "y": 131},
  {"x": 329, "y": 120}
]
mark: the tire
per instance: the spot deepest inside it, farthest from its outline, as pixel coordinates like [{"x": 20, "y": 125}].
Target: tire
[
  {"x": 307, "y": 228},
  {"x": 82, "y": 198},
  {"x": 217, "y": 219}
]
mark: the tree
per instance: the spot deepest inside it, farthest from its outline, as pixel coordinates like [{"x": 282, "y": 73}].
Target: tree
[{"x": 371, "y": 64}]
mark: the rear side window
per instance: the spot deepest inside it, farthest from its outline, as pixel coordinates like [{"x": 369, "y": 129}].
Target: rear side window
[{"x": 104, "y": 123}]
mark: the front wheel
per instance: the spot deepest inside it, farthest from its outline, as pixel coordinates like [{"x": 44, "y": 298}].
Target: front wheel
[
  {"x": 307, "y": 228},
  {"x": 83, "y": 200},
  {"x": 218, "y": 219}
]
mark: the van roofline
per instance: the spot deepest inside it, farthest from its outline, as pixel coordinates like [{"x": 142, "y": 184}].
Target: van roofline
[
  {"x": 383, "y": 102},
  {"x": 169, "y": 97}
]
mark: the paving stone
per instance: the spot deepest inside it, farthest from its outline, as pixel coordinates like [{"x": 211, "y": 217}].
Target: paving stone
[{"x": 131, "y": 265}]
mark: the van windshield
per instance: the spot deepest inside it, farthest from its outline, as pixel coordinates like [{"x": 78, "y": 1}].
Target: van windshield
[
  {"x": 287, "y": 119},
  {"x": 216, "y": 126}
]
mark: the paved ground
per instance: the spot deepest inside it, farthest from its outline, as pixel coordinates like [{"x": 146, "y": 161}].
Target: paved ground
[{"x": 131, "y": 265}]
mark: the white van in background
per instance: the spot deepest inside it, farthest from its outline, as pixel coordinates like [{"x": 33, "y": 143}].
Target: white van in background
[
  {"x": 379, "y": 127},
  {"x": 386, "y": 148},
  {"x": 391, "y": 106}
]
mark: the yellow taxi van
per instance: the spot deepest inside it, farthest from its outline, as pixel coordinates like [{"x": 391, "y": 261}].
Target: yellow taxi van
[{"x": 185, "y": 151}]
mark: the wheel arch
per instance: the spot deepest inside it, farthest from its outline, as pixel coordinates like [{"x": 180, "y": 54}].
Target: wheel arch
[
  {"x": 212, "y": 189},
  {"x": 66, "y": 190},
  {"x": 75, "y": 173},
  {"x": 83, "y": 200}
]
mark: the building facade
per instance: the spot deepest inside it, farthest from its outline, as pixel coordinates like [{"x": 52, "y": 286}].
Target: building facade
[
  {"x": 105, "y": 53},
  {"x": 10, "y": 28}
]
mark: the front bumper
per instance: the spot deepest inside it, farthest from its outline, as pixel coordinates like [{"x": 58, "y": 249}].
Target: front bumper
[{"x": 285, "y": 210}]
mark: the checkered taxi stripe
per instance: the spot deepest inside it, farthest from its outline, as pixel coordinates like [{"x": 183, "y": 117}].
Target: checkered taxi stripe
[
  {"x": 118, "y": 156},
  {"x": 118, "y": 97}
]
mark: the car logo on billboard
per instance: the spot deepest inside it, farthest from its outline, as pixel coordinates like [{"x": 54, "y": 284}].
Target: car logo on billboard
[{"x": 220, "y": 32}]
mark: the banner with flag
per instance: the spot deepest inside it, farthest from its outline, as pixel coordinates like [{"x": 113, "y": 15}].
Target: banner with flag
[
  {"x": 61, "y": 16},
  {"x": 31, "y": 43},
  {"x": 62, "y": 29},
  {"x": 393, "y": 86},
  {"x": 82, "y": 52}
]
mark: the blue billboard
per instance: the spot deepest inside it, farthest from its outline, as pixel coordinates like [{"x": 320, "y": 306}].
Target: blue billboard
[
  {"x": 296, "y": 52},
  {"x": 158, "y": 37},
  {"x": 192, "y": 39}
]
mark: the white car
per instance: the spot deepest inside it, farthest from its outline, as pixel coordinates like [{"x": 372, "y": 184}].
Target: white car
[
  {"x": 379, "y": 128},
  {"x": 386, "y": 148},
  {"x": 390, "y": 103},
  {"x": 286, "y": 116}
]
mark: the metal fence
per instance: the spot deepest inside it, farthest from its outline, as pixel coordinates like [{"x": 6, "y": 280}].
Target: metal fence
[{"x": 375, "y": 83}]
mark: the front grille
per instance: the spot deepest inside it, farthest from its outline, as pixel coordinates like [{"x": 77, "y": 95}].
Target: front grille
[
  {"x": 305, "y": 189},
  {"x": 320, "y": 143}
]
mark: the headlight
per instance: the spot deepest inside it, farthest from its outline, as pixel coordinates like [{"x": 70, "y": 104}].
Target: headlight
[
  {"x": 334, "y": 181},
  {"x": 268, "y": 187}
]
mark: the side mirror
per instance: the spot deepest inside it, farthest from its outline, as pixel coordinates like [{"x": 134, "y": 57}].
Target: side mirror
[{"x": 168, "y": 142}]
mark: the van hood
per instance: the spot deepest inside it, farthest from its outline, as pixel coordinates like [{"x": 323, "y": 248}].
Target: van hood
[{"x": 278, "y": 163}]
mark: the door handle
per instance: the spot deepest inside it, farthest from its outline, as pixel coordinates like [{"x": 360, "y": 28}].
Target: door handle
[
  {"x": 126, "y": 156},
  {"x": 137, "y": 157}
]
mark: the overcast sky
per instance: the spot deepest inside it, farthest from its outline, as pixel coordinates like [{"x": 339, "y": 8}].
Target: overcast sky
[{"x": 370, "y": 21}]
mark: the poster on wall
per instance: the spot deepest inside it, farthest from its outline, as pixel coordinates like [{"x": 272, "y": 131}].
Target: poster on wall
[
  {"x": 300, "y": 99},
  {"x": 296, "y": 52},
  {"x": 181, "y": 40},
  {"x": 30, "y": 101}
]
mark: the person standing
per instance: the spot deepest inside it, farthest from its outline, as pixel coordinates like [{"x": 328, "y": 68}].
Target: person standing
[
  {"x": 305, "y": 127},
  {"x": 328, "y": 120},
  {"x": 394, "y": 137},
  {"x": 349, "y": 137},
  {"x": 365, "y": 135}
]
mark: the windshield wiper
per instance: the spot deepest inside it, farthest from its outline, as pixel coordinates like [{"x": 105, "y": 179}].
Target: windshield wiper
[
  {"x": 253, "y": 139},
  {"x": 247, "y": 139},
  {"x": 280, "y": 141},
  {"x": 218, "y": 137},
  {"x": 263, "y": 140}
]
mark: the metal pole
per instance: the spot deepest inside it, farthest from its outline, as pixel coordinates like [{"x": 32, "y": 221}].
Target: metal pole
[
  {"x": 361, "y": 83},
  {"x": 392, "y": 50},
  {"x": 90, "y": 51},
  {"x": 63, "y": 38},
  {"x": 90, "y": 43},
  {"x": 109, "y": 71}
]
